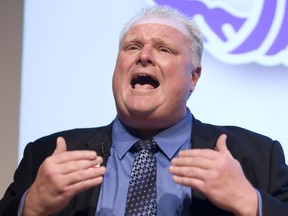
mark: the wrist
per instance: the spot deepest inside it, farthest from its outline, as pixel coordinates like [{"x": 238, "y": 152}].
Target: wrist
[
  {"x": 32, "y": 206},
  {"x": 247, "y": 204}
]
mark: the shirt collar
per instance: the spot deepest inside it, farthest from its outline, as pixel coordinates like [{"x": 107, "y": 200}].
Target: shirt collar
[
  {"x": 174, "y": 137},
  {"x": 169, "y": 141}
]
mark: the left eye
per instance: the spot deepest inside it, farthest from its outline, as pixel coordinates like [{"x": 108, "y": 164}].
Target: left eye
[{"x": 164, "y": 49}]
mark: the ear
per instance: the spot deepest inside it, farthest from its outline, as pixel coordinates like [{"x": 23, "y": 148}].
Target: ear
[{"x": 196, "y": 73}]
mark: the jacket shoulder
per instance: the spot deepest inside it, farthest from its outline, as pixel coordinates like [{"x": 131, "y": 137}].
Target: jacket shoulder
[
  {"x": 234, "y": 134},
  {"x": 76, "y": 139}
]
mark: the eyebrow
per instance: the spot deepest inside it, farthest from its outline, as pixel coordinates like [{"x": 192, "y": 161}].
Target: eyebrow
[{"x": 155, "y": 40}]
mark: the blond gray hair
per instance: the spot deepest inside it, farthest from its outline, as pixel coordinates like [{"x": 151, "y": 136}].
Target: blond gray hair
[{"x": 166, "y": 12}]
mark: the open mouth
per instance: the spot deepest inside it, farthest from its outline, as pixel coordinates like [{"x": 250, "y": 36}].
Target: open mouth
[{"x": 144, "y": 80}]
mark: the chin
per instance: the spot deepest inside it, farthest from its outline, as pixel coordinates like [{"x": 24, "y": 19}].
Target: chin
[{"x": 143, "y": 120}]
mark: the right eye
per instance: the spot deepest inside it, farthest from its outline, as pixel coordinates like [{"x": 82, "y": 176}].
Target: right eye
[{"x": 133, "y": 47}]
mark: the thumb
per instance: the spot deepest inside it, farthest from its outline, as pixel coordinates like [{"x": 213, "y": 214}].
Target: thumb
[
  {"x": 60, "y": 146},
  {"x": 221, "y": 143}
]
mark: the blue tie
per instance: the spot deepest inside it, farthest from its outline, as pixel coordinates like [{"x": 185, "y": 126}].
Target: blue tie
[{"x": 141, "y": 197}]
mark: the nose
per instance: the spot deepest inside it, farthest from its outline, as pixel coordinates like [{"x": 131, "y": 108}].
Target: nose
[{"x": 146, "y": 56}]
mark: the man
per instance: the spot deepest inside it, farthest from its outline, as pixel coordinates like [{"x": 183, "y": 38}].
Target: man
[{"x": 201, "y": 169}]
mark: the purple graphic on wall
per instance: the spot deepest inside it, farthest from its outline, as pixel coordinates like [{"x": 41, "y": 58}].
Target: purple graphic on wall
[{"x": 259, "y": 34}]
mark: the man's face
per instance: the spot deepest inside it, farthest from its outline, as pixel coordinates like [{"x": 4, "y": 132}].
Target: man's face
[{"x": 153, "y": 76}]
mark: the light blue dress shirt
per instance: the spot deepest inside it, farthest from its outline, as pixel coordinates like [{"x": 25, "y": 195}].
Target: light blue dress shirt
[{"x": 170, "y": 196}]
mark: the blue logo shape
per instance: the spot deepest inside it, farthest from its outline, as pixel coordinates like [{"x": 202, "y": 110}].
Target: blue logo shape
[{"x": 257, "y": 35}]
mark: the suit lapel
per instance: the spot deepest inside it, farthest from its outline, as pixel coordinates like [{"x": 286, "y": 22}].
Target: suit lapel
[
  {"x": 203, "y": 135},
  {"x": 85, "y": 203}
]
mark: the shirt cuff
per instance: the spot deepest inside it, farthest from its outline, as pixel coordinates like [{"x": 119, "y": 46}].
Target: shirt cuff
[
  {"x": 259, "y": 203},
  {"x": 21, "y": 206}
]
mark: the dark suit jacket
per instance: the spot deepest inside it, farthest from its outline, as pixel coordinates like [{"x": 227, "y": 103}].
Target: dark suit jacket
[{"x": 261, "y": 158}]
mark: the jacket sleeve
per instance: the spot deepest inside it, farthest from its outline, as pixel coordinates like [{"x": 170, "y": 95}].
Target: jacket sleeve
[
  {"x": 23, "y": 179},
  {"x": 275, "y": 201}
]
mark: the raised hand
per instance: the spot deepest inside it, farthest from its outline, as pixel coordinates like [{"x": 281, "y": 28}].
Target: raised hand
[
  {"x": 60, "y": 177},
  {"x": 218, "y": 176}
]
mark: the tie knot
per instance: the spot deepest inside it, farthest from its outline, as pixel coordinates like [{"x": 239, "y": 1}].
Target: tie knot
[{"x": 146, "y": 144}]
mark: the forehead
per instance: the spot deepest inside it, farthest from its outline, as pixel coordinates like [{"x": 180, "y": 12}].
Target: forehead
[
  {"x": 176, "y": 24},
  {"x": 156, "y": 33}
]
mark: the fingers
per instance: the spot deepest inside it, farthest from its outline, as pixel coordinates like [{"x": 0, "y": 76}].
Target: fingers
[
  {"x": 192, "y": 161},
  {"x": 65, "y": 162},
  {"x": 221, "y": 146},
  {"x": 82, "y": 164},
  {"x": 61, "y": 155},
  {"x": 192, "y": 167},
  {"x": 93, "y": 178},
  {"x": 60, "y": 146},
  {"x": 216, "y": 174},
  {"x": 189, "y": 172},
  {"x": 85, "y": 177},
  {"x": 221, "y": 143},
  {"x": 72, "y": 167},
  {"x": 207, "y": 153},
  {"x": 61, "y": 176},
  {"x": 196, "y": 165},
  {"x": 194, "y": 183}
]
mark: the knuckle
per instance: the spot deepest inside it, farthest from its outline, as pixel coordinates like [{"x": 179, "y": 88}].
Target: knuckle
[
  {"x": 82, "y": 175},
  {"x": 47, "y": 168},
  {"x": 191, "y": 172}
]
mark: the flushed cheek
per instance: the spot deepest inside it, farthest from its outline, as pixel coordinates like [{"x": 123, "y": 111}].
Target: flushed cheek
[
  {"x": 124, "y": 62},
  {"x": 119, "y": 90},
  {"x": 120, "y": 78},
  {"x": 177, "y": 91}
]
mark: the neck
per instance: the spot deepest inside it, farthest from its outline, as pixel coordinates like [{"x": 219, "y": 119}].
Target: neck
[{"x": 143, "y": 133}]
